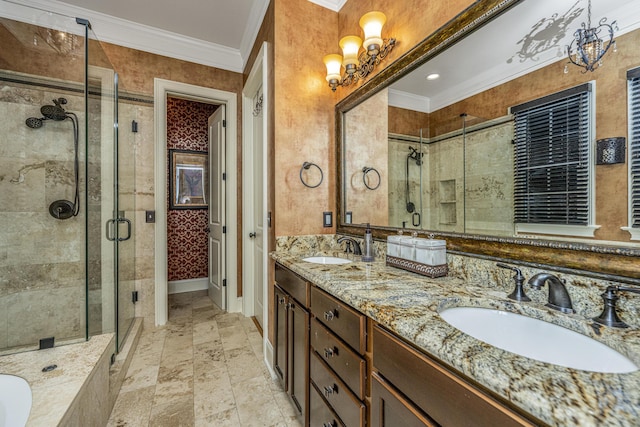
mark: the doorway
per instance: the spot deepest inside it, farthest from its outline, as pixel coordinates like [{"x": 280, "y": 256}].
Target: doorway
[
  {"x": 255, "y": 222},
  {"x": 162, "y": 90}
]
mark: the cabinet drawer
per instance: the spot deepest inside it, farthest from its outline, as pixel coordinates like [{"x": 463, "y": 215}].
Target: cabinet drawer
[
  {"x": 443, "y": 395},
  {"x": 341, "y": 358},
  {"x": 350, "y": 410},
  {"x": 320, "y": 414},
  {"x": 390, "y": 408},
  {"x": 346, "y": 322},
  {"x": 293, "y": 284}
]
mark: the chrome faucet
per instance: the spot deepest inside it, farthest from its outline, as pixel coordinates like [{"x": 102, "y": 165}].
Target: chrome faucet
[
  {"x": 559, "y": 298},
  {"x": 351, "y": 241}
]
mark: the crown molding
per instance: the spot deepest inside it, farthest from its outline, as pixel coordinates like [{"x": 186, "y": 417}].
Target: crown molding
[
  {"x": 251, "y": 30},
  {"x": 137, "y": 36},
  {"x": 408, "y": 101},
  {"x": 334, "y": 5}
]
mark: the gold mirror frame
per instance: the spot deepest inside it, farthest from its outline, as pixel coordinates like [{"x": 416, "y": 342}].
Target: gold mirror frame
[{"x": 608, "y": 262}]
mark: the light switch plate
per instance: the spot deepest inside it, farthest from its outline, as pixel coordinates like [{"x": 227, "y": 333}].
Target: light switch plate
[{"x": 327, "y": 219}]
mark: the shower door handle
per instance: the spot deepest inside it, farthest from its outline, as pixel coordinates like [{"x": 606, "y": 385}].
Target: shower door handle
[
  {"x": 110, "y": 230},
  {"x": 119, "y": 220}
]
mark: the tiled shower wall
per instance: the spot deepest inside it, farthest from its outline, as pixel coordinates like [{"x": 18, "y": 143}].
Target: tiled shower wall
[
  {"x": 476, "y": 198},
  {"x": 42, "y": 270}
]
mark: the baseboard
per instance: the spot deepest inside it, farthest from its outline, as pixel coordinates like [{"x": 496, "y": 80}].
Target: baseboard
[
  {"x": 189, "y": 285},
  {"x": 268, "y": 357}
]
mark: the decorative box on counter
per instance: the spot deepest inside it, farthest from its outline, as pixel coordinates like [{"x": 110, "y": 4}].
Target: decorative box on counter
[{"x": 427, "y": 257}]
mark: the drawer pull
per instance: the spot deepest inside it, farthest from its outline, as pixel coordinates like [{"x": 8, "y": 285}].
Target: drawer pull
[
  {"x": 281, "y": 301},
  {"x": 330, "y": 352},
  {"x": 330, "y": 390},
  {"x": 330, "y": 315},
  {"x": 333, "y": 423}
]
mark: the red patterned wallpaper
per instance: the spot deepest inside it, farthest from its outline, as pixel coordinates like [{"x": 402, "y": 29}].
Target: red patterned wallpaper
[{"x": 187, "y": 243}]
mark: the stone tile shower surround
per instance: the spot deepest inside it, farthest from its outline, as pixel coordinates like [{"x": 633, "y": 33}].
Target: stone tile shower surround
[
  {"x": 41, "y": 258},
  {"x": 584, "y": 291}
]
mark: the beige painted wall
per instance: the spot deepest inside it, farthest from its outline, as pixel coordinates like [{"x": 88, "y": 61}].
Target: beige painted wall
[
  {"x": 304, "y": 122},
  {"x": 368, "y": 147}
]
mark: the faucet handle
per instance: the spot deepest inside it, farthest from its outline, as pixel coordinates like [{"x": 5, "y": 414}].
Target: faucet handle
[
  {"x": 347, "y": 247},
  {"x": 518, "y": 293},
  {"x": 609, "y": 315}
]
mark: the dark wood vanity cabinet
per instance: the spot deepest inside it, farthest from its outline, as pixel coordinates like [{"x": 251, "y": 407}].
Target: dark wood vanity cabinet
[
  {"x": 321, "y": 353},
  {"x": 338, "y": 369},
  {"x": 390, "y": 408},
  {"x": 411, "y": 384},
  {"x": 291, "y": 347}
]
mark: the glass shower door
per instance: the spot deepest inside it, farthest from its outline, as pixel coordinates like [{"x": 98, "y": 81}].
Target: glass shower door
[
  {"x": 113, "y": 257},
  {"x": 125, "y": 242}
]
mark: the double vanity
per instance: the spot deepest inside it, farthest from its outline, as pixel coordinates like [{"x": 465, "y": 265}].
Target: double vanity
[{"x": 378, "y": 346}]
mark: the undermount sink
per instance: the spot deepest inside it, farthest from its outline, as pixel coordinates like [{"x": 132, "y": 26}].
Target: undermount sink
[
  {"x": 537, "y": 339},
  {"x": 326, "y": 260}
]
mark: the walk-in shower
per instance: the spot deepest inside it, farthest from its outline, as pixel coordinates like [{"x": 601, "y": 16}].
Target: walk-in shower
[
  {"x": 61, "y": 209},
  {"x": 67, "y": 271}
]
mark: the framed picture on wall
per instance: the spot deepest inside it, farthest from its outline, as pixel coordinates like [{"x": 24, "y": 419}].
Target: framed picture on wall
[{"x": 189, "y": 179}]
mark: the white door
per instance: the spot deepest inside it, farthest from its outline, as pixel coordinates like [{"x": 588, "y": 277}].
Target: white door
[
  {"x": 217, "y": 246},
  {"x": 258, "y": 214}
]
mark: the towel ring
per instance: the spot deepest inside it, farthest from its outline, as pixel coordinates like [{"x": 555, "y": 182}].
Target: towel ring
[
  {"x": 365, "y": 171},
  {"x": 307, "y": 166}
]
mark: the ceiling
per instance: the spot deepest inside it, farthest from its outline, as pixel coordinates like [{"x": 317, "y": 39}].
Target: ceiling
[
  {"x": 531, "y": 35},
  {"x": 218, "y": 33},
  {"x": 221, "y": 22}
]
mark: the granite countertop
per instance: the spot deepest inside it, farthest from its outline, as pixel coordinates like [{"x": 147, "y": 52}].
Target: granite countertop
[{"x": 408, "y": 305}]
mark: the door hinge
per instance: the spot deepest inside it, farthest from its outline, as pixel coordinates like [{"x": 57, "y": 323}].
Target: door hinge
[
  {"x": 224, "y": 229},
  {"x": 224, "y": 123},
  {"x": 134, "y": 297},
  {"x": 224, "y": 176},
  {"x": 224, "y": 283}
]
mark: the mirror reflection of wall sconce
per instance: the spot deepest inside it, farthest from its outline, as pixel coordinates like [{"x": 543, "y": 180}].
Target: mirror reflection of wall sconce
[
  {"x": 305, "y": 167},
  {"x": 587, "y": 48},
  {"x": 358, "y": 66},
  {"x": 610, "y": 151},
  {"x": 365, "y": 178}
]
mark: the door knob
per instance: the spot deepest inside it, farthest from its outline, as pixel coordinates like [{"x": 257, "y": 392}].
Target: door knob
[{"x": 252, "y": 235}]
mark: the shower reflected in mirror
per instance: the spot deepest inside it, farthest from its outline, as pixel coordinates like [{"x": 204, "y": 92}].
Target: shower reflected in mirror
[{"x": 61, "y": 209}]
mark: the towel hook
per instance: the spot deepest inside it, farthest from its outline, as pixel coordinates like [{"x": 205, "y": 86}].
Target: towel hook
[
  {"x": 365, "y": 172},
  {"x": 307, "y": 166}
]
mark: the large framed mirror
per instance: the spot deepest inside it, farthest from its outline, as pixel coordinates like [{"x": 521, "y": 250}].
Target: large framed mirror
[{"x": 451, "y": 157}]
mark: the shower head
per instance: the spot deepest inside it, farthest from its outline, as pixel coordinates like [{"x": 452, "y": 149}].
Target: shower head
[
  {"x": 53, "y": 112},
  {"x": 415, "y": 155},
  {"x": 34, "y": 122}
]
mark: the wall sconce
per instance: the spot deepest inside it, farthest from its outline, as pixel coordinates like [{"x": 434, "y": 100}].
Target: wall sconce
[
  {"x": 587, "y": 48},
  {"x": 358, "y": 65},
  {"x": 610, "y": 151}
]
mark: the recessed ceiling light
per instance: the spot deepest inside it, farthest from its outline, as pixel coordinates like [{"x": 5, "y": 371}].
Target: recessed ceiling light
[{"x": 433, "y": 76}]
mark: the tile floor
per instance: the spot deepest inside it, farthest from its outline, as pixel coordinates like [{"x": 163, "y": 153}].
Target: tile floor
[{"x": 204, "y": 368}]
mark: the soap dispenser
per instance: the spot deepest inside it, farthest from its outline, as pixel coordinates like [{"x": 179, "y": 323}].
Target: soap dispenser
[{"x": 368, "y": 251}]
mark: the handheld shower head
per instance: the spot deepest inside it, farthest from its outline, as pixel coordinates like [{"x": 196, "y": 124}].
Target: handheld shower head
[{"x": 34, "y": 122}]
